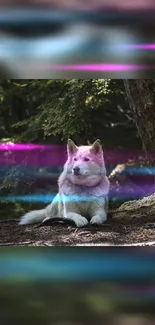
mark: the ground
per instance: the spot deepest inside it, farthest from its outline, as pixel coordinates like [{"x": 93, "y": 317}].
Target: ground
[
  {"x": 118, "y": 230},
  {"x": 133, "y": 224}
]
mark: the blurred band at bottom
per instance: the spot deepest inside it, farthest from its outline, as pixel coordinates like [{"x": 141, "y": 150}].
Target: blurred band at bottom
[{"x": 77, "y": 286}]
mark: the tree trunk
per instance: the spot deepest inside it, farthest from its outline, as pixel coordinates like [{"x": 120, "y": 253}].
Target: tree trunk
[{"x": 141, "y": 97}]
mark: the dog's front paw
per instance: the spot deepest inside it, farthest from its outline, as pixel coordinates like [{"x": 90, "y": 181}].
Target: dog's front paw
[
  {"x": 77, "y": 218},
  {"x": 81, "y": 221},
  {"x": 97, "y": 220}
]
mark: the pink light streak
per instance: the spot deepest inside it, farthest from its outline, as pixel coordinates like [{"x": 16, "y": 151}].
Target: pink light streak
[
  {"x": 37, "y": 154},
  {"x": 95, "y": 67},
  {"x": 18, "y": 146},
  {"x": 139, "y": 46}
]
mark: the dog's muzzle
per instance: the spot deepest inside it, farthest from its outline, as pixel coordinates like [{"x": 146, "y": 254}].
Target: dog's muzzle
[{"x": 76, "y": 171}]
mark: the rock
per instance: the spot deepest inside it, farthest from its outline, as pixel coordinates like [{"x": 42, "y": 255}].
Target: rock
[{"x": 148, "y": 201}]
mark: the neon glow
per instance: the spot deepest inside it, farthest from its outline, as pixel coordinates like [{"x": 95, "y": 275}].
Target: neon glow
[
  {"x": 18, "y": 146},
  {"x": 139, "y": 46},
  {"x": 124, "y": 193},
  {"x": 47, "y": 198},
  {"x": 28, "y": 158},
  {"x": 55, "y": 155},
  {"x": 95, "y": 67}
]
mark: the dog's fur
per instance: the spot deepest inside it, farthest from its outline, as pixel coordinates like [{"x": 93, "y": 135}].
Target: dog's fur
[{"x": 83, "y": 189}]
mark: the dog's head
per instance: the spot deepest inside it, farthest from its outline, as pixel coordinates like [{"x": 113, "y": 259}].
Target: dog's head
[{"x": 85, "y": 164}]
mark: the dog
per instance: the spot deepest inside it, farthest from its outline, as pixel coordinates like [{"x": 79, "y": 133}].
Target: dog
[{"x": 83, "y": 189}]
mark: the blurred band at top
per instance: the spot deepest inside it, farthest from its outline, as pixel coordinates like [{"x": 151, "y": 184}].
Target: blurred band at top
[
  {"x": 77, "y": 39},
  {"x": 137, "y": 5}
]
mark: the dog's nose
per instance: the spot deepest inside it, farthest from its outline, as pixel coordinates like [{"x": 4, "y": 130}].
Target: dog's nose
[{"x": 76, "y": 170}]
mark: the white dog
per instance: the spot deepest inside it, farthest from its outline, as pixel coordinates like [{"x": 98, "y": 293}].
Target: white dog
[{"x": 83, "y": 189}]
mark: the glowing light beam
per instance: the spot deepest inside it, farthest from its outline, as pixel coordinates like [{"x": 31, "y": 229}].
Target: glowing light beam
[{"x": 95, "y": 67}]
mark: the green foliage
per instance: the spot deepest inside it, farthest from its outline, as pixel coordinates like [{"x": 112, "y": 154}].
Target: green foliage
[{"x": 53, "y": 110}]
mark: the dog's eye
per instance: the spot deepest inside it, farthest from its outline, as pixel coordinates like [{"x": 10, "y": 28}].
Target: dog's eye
[
  {"x": 75, "y": 159},
  {"x": 86, "y": 159}
]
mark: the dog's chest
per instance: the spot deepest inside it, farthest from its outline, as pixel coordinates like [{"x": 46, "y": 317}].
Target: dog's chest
[
  {"x": 81, "y": 200},
  {"x": 84, "y": 207}
]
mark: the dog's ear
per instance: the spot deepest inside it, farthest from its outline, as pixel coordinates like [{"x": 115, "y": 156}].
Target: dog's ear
[
  {"x": 71, "y": 147},
  {"x": 96, "y": 147}
]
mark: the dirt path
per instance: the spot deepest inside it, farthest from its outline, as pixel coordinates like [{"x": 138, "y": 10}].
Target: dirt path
[{"x": 122, "y": 229}]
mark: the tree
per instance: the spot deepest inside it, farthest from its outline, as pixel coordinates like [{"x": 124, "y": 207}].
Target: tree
[{"x": 141, "y": 97}]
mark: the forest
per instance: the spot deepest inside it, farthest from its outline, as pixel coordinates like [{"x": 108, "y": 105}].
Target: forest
[
  {"x": 46, "y": 113},
  {"x": 73, "y": 287}
]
